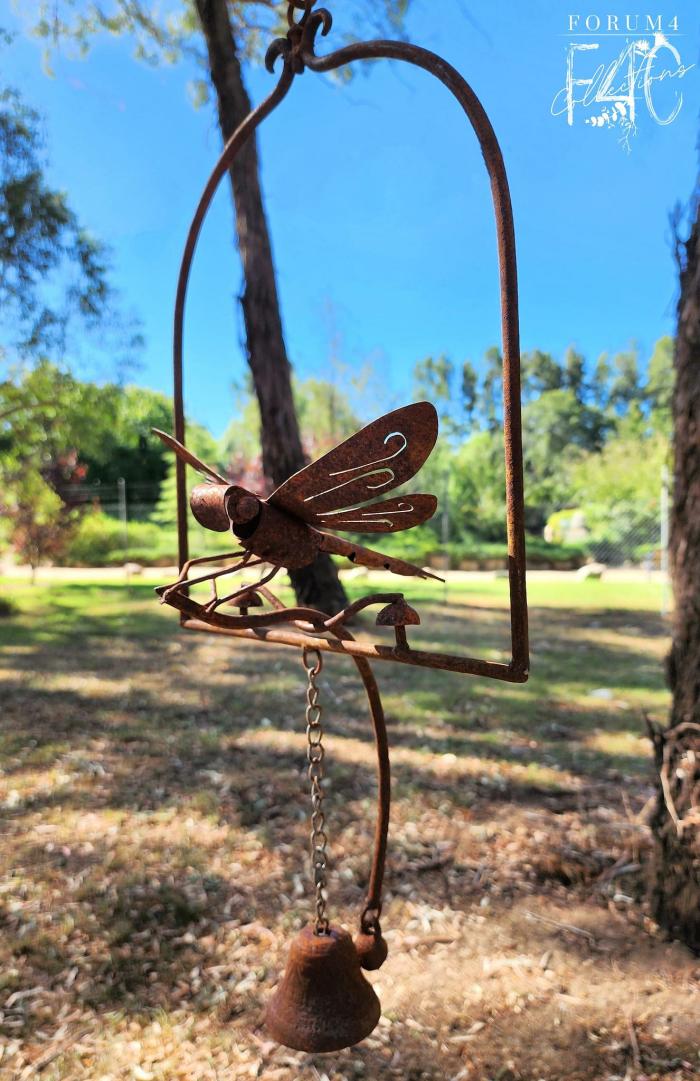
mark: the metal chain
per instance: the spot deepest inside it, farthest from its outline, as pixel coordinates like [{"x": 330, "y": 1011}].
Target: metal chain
[{"x": 315, "y": 754}]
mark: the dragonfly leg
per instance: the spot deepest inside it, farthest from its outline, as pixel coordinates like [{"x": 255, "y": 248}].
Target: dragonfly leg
[
  {"x": 168, "y": 591},
  {"x": 210, "y": 559},
  {"x": 232, "y": 597}
]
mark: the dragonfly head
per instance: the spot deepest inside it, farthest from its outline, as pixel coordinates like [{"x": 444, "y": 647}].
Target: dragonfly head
[
  {"x": 224, "y": 506},
  {"x": 208, "y": 505}
]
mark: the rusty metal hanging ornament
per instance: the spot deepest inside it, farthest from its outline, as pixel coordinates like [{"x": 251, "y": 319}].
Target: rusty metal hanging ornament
[
  {"x": 287, "y": 530},
  {"x": 324, "y": 1003}
]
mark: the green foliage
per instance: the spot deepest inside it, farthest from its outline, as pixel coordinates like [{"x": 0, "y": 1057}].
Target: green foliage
[
  {"x": 659, "y": 388},
  {"x": 626, "y": 385},
  {"x": 74, "y": 432},
  {"x": 39, "y": 523},
  {"x": 543, "y": 551},
  {"x": 325, "y": 415},
  {"x": 125, "y": 446},
  {"x": 242, "y": 437},
  {"x": 556, "y": 429},
  {"x": 452, "y": 391},
  {"x": 540, "y": 373},
  {"x": 619, "y": 500},
  {"x": 491, "y": 398},
  {"x": 600, "y": 385},
  {"x": 560, "y": 524},
  {"x": 574, "y": 374},
  {"x": 421, "y": 546},
  {"x": 163, "y": 34},
  {"x": 609, "y": 480},
  {"x": 568, "y": 421},
  {"x": 99, "y": 541},
  {"x": 69, "y": 433},
  {"x": 478, "y": 489},
  {"x": 45, "y": 413},
  {"x": 52, "y": 272}
]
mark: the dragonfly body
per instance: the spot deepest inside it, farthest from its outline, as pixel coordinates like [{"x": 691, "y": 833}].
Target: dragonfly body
[
  {"x": 343, "y": 491},
  {"x": 275, "y": 536}
]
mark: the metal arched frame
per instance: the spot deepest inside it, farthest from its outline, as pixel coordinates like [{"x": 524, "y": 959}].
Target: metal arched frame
[{"x": 297, "y": 52}]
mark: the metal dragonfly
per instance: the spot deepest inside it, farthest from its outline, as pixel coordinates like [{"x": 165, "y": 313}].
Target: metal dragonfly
[{"x": 287, "y": 530}]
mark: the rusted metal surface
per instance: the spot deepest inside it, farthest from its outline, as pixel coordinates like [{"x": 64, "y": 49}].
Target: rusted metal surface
[
  {"x": 239, "y": 138},
  {"x": 323, "y": 1003},
  {"x": 383, "y": 454},
  {"x": 399, "y": 615},
  {"x": 208, "y": 506},
  {"x": 278, "y": 530}
]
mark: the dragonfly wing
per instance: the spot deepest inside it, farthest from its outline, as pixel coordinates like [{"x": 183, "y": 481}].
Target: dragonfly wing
[
  {"x": 390, "y": 516},
  {"x": 379, "y": 458},
  {"x": 189, "y": 458}
]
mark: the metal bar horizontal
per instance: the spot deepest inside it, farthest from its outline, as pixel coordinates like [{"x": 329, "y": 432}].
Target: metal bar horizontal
[{"x": 507, "y": 673}]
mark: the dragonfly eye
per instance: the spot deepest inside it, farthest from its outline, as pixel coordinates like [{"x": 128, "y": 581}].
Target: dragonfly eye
[{"x": 242, "y": 507}]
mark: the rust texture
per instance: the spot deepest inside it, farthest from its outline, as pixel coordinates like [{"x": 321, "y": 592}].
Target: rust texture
[
  {"x": 286, "y": 530},
  {"x": 323, "y": 1003},
  {"x": 344, "y": 490}
]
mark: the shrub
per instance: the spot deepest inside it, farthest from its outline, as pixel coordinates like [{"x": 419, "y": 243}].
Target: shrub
[
  {"x": 99, "y": 542},
  {"x": 539, "y": 548},
  {"x": 539, "y": 553}
]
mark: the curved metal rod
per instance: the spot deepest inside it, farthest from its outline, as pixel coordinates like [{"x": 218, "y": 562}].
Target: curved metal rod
[
  {"x": 298, "y": 53},
  {"x": 239, "y": 138},
  {"x": 508, "y": 272},
  {"x": 369, "y": 920},
  {"x": 322, "y": 623}
]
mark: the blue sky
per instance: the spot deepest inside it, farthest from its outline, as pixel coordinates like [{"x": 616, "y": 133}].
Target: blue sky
[{"x": 378, "y": 199}]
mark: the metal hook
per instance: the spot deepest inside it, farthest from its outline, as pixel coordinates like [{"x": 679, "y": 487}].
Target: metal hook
[{"x": 304, "y": 6}]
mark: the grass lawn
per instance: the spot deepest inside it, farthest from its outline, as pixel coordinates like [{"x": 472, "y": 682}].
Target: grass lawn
[{"x": 155, "y": 830}]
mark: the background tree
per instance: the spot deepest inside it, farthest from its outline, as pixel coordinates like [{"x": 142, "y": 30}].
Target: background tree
[
  {"x": 222, "y": 35},
  {"x": 454, "y": 393},
  {"x": 626, "y": 385},
  {"x": 575, "y": 374},
  {"x": 620, "y": 502},
  {"x": 52, "y": 426},
  {"x": 126, "y": 449},
  {"x": 491, "y": 396},
  {"x": 556, "y": 429},
  {"x": 53, "y": 273},
  {"x": 540, "y": 373},
  {"x": 600, "y": 383},
  {"x": 470, "y": 389},
  {"x": 676, "y": 822},
  {"x": 39, "y": 237},
  {"x": 659, "y": 387}
]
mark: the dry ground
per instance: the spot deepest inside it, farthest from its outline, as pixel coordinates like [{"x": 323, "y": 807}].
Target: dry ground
[{"x": 154, "y": 837}]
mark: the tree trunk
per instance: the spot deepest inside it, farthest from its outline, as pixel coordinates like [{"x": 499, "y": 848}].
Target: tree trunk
[
  {"x": 676, "y": 821},
  {"x": 282, "y": 452}
]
